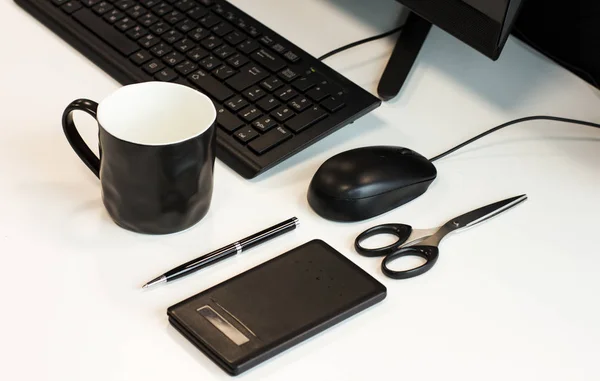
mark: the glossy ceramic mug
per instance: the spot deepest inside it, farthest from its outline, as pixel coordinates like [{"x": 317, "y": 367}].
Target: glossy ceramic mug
[{"x": 156, "y": 154}]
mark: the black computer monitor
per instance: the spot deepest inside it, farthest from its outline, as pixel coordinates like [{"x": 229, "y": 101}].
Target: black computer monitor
[{"x": 482, "y": 24}]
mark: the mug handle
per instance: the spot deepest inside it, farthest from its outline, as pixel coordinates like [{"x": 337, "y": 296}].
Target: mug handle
[{"x": 81, "y": 149}]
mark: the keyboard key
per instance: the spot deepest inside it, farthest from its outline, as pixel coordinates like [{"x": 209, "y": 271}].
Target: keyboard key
[
  {"x": 71, "y": 7},
  {"x": 211, "y": 42},
  {"x": 291, "y": 56},
  {"x": 268, "y": 41},
  {"x": 136, "y": 11},
  {"x": 237, "y": 61},
  {"x": 210, "y": 63},
  {"x": 153, "y": 66},
  {"x": 125, "y": 24},
  {"x": 254, "y": 93},
  {"x": 300, "y": 103},
  {"x": 207, "y": 3},
  {"x": 279, "y": 48},
  {"x": 185, "y": 68},
  {"x": 160, "y": 28},
  {"x": 224, "y": 72},
  {"x": 282, "y": 113},
  {"x": 219, "y": 9},
  {"x": 227, "y": 120},
  {"x": 173, "y": 58},
  {"x": 269, "y": 140},
  {"x": 199, "y": 34},
  {"x": 102, "y": 8},
  {"x": 250, "y": 113},
  {"x": 186, "y": 25},
  {"x": 304, "y": 83},
  {"x": 264, "y": 123},
  {"x": 248, "y": 46},
  {"x": 267, "y": 59},
  {"x": 272, "y": 83},
  {"x": 236, "y": 103},
  {"x": 230, "y": 16},
  {"x": 268, "y": 103},
  {"x": 235, "y": 38},
  {"x": 252, "y": 31},
  {"x": 245, "y": 134},
  {"x": 148, "y": 20},
  {"x": 306, "y": 119},
  {"x": 332, "y": 104},
  {"x": 162, "y": 9},
  {"x": 222, "y": 29},
  {"x": 174, "y": 17},
  {"x": 136, "y": 32},
  {"x": 166, "y": 75},
  {"x": 149, "y": 3},
  {"x": 197, "y": 13},
  {"x": 210, "y": 20},
  {"x": 87, "y": 3},
  {"x": 125, "y": 4},
  {"x": 184, "y": 45},
  {"x": 197, "y": 54},
  {"x": 318, "y": 93},
  {"x": 286, "y": 93},
  {"x": 288, "y": 74},
  {"x": 160, "y": 49},
  {"x": 224, "y": 51},
  {"x": 185, "y": 5},
  {"x": 149, "y": 41},
  {"x": 172, "y": 36},
  {"x": 210, "y": 85},
  {"x": 140, "y": 57},
  {"x": 248, "y": 76},
  {"x": 241, "y": 23},
  {"x": 106, "y": 32}
]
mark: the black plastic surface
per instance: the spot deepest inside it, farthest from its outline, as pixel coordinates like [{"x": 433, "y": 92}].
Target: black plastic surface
[
  {"x": 368, "y": 181},
  {"x": 231, "y": 151},
  {"x": 429, "y": 253},
  {"x": 277, "y": 305},
  {"x": 403, "y": 56},
  {"x": 401, "y": 231}
]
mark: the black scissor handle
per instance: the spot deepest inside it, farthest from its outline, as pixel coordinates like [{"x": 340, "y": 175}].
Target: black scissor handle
[
  {"x": 429, "y": 253},
  {"x": 401, "y": 231}
]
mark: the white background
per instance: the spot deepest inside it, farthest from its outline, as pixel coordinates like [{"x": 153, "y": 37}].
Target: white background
[{"x": 515, "y": 298}]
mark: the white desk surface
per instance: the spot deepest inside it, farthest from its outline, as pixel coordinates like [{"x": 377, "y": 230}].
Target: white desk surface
[{"x": 515, "y": 298}]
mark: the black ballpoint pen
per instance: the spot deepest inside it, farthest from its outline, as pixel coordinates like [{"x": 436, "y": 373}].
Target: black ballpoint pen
[{"x": 225, "y": 252}]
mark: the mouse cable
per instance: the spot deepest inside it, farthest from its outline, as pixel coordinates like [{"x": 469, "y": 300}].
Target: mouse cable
[
  {"x": 360, "y": 42},
  {"x": 525, "y": 119}
]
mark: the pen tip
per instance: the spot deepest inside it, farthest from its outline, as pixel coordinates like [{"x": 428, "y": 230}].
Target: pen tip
[{"x": 160, "y": 279}]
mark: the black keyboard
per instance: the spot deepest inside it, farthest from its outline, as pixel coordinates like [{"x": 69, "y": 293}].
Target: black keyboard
[{"x": 273, "y": 98}]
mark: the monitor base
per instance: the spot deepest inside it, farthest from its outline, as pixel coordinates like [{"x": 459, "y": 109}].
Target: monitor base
[{"x": 403, "y": 56}]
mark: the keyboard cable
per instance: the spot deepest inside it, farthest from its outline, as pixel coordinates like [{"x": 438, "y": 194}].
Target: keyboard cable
[{"x": 360, "y": 42}]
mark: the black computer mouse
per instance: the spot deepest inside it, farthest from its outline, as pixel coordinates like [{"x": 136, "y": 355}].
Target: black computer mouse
[{"x": 365, "y": 182}]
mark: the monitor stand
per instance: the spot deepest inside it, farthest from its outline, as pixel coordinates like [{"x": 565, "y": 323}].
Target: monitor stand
[{"x": 403, "y": 56}]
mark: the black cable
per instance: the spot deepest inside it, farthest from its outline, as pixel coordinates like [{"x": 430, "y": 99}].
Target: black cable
[
  {"x": 355, "y": 43},
  {"x": 526, "y": 119}
]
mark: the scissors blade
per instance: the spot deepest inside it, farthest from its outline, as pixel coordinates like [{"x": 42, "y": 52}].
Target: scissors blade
[{"x": 484, "y": 213}]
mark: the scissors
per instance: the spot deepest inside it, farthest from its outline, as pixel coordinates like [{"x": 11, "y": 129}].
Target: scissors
[{"x": 424, "y": 243}]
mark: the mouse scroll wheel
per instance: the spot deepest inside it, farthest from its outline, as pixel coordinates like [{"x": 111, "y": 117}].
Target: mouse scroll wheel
[{"x": 406, "y": 151}]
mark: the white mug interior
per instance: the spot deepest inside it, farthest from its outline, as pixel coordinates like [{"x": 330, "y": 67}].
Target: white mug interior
[{"x": 156, "y": 113}]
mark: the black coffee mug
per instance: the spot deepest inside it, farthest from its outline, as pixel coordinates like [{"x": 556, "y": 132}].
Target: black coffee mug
[{"x": 157, "y": 153}]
